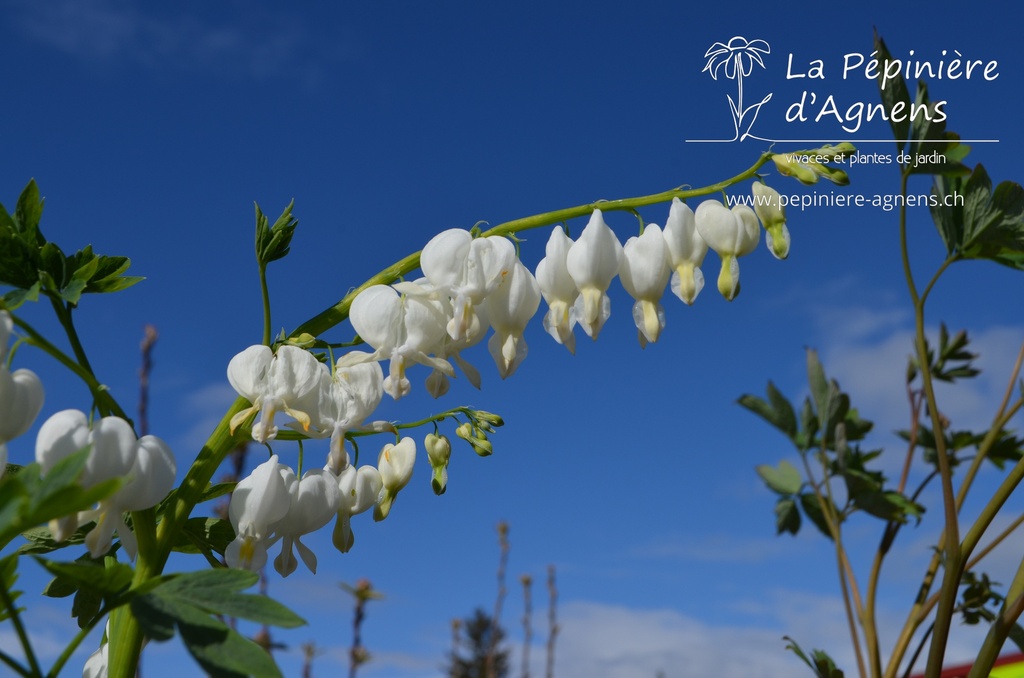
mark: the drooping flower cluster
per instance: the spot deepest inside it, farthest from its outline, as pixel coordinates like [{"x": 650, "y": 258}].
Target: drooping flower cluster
[
  {"x": 21, "y": 395},
  {"x": 469, "y": 285},
  {"x": 147, "y": 465}
]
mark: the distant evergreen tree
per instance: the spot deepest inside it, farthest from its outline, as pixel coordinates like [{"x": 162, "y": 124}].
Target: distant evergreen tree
[{"x": 470, "y": 660}]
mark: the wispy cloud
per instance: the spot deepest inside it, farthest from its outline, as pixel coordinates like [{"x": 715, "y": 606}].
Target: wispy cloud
[{"x": 252, "y": 44}]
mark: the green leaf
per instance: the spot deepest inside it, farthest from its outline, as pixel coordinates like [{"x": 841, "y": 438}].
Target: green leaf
[
  {"x": 819, "y": 661},
  {"x": 108, "y": 581},
  {"x": 217, "y": 591},
  {"x": 186, "y": 602},
  {"x": 8, "y": 578},
  {"x": 15, "y": 298},
  {"x": 784, "y": 480},
  {"x": 787, "y": 516},
  {"x": 894, "y": 95},
  {"x": 28, "y": 212},
  {"x": 227, "y": 654},
  {"x": 891, "y": 506},
  {"x": 777, "y": 410},
  {"x": 201, "y": 535},
  {"x": 819, "y": 386},
  {"x": 812, "y": 507}
]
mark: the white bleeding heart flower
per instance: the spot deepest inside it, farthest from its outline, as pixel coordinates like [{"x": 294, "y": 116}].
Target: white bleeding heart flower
[
  {"x": 510, "y": 308},
  {"x": 686, "y": 250},
  {"x": 287, "y": 382},
  {"x": 467, "y": 269},
  {"x": 314, "y": 500},
  {"x": 21, "y": 393},
  {"x": 257, "y": 502},
  {"x": 114, "y": 452},
  {"x": 593, "y": 262},
  {"x": 558, "y": 289},
  {"x": 732, "y": 234},
  {"x": 402, "y": 328},
  {"x": 358, "y": 490},
  {"x": 439, "y": 452},
  {"x": 395, "y": 467},
  {"x": 645, "y": 273},
  {"x": 347, "y": 399}
]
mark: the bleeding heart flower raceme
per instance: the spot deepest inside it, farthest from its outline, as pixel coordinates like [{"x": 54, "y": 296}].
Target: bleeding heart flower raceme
[
  {"x": 686, "y": 250},
  {"x": 147, "y": 463},
  {"x": 593, "y": 262},
  {"x": 288, "y": 382},
  {"x": 644, "y": 274},
  {"x": 732, "y": 233}
]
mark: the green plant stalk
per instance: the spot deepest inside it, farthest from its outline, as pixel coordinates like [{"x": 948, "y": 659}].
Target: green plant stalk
[
  {"x": 265, "y": 291},
  {"x": 833, "y": 526},
  {"x": 19, "y": 629},
  {"x": 126, "y": 635},
  {"x": 951, "y": 531},
  {"x": 73, "y": 645},
  {"x": 15, "y": 666},
  {"x": 1000, "y": 628},
  {"x": 993, "y": 432},
  {"x": 98, "y": 391},
  {"x": 923, "y": 606}
]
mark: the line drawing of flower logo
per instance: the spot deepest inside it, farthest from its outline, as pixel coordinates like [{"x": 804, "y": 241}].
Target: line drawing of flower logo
[{"x": 736, "y": 60}]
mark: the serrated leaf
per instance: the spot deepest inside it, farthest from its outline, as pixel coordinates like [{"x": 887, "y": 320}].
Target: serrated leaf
[
  {"x": 787, "y": 516},
  {"x": 107, "y": 581},
  {"x": 217, "y": 591},
  {"x": 784, "y": 480},
  {"x": 894, "y": 94},
  {"x": 8, "y": 578}
]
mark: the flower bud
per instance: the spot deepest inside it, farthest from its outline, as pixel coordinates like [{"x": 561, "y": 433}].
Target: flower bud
[
  {"x": 769, "y": 209},
  {"x": 439, "y": 451}
]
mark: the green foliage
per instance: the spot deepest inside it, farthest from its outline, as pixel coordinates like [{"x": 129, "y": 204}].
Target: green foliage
[
  {"x": 98, "y": 585},
  {"x": 819, "y": 661},
  {"x": 192, "y": 602},
  {"x": 31, "y": 264},
  {"x": 830, "y": 447},
  {"x": 274, "y": 242},
  {"x": 29, "y": 499},
  {"x": 8, "y": 578},
  {"x": 951, "y": 350},
  {"x": 985, "y": 223}
]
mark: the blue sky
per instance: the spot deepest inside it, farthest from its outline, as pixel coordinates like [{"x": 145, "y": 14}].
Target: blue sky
[{"x": 152, "y": 130}]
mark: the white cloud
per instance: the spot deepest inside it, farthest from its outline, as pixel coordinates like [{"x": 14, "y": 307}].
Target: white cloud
[{"x": 106, "y": 30}]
